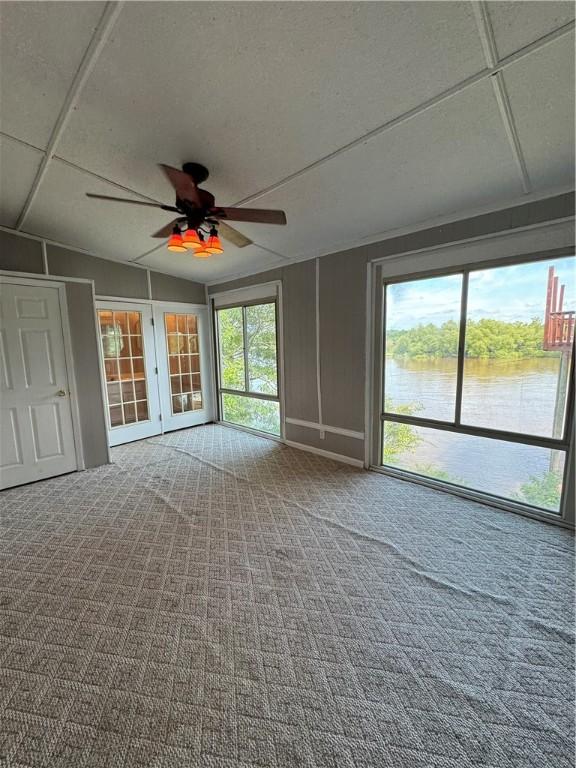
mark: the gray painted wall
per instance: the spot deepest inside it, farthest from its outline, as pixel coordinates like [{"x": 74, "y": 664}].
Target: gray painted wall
[
  {"x": 342, "y": 309},
  {"x": 169, "y": 288},
  {"x": 342, "y": 333},
  {"x": 299, "y": 299},
  {"x": 111, "y": 278},
  {"x": 87, "y": 373},
  {"x": 20, "y": 254},
  {"x": 339, "y": 444}
]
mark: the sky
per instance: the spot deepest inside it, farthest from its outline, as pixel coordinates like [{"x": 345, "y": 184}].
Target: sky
[{"x": 516, "y": 292}]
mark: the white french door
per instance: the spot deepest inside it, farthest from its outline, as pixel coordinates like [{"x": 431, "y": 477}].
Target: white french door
[
  {"x": 128, "y": 358},
  {"x": 156, "y": 361},
  {"x": 36, "y": 431},
  {"x": 183, "y": 355}
]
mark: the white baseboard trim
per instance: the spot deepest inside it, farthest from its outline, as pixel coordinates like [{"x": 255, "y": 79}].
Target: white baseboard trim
[
  {"x": 326, "y": 454},
  {"x": 325, "y": 428}
]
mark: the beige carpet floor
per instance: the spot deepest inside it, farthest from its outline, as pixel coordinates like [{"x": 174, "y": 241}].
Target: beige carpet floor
[{"x": 215, "y": 599}]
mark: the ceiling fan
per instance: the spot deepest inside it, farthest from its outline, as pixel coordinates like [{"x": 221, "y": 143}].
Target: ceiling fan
[{"x": 200, "y": 220}]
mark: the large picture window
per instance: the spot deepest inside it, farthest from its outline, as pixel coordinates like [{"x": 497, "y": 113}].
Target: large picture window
[
  {"x": 248, "y": 366},
  {"x": 477, "y": 378}
]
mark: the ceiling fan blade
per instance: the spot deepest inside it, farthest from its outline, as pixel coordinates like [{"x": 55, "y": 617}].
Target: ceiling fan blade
[
  {"x": 184, "y": 186},
  {"x": 168, "y": 229},
  {"x": 256, "y": 215},
  {"x": 133, "y": 202},
  {"x": 233, "y": 236}
]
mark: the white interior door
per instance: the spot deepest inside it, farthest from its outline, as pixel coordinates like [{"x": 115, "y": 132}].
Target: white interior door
[
  {"x": 36, "y": 432},
  {"x": 183, "y": 355},
  {"x": 129, "y": 364}
]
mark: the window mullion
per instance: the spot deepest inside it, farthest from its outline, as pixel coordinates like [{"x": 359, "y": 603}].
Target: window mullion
[
  {"x": 461, "y": 349},
  {"x": 245, "y": 345}
]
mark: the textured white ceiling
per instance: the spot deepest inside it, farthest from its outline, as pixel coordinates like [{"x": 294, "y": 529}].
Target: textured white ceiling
[
  {"x": 18, "y": 167},
  {"x": 271, "y": 95},
  {"x": 41, "y": 47},
  {"x": 520, "y": 22},
  {"x": 541, "y": 90}
]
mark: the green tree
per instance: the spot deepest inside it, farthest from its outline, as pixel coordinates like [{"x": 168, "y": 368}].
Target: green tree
[
  {"x": 431, "y": 470},
  {"x": 231, "y": 341},
  {"x": 544, "y": 491},
  {"x": 399, "y": 438},
  {"x": 485, "y": 338},
  {"x": 258, "y": 336}
]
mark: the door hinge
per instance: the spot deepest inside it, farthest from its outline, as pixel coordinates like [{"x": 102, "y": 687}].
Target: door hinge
[
  {"x": 156, "y": 371},
  {"x": 152, "y": 320},
  {"x": 160, "y": 417}
]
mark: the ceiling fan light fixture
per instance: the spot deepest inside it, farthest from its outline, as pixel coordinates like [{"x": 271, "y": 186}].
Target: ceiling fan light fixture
[
  {"x": 191, "y": 240},
  {"x": 202, "y": 253},
  {"x": 213, "y": 244},
  {"x": 175, "y": 243}
]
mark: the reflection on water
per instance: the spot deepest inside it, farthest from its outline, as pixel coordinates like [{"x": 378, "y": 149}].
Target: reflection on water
[
  {"x": 513, "y": 395},
  {"x": 516, "y": 395},
  {"x": 428, "y": 384}
]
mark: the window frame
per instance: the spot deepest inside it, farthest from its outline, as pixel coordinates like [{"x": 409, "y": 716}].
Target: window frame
[
  {"x": 564, "y": 443},
  {"x": 246, "y": 392}
]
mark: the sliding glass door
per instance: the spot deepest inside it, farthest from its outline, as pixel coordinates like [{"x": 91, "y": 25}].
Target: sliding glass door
[
  {"x": 248, "y": 365},
  {"x": 477, "y": 378}
]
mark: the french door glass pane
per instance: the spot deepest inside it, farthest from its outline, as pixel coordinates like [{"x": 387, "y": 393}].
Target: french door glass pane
[
  {"x": 183, "y": 348},
  {"x": 262, "y": 415},
  {"x": 422, "y": 330},
  {"x": 261, "y": 348},
  {"x": 123, "y": 350},
  {"x": 524, "y": 473},
  {"x": 231, "y": 341},
  {"x": 515, "y": 379}
]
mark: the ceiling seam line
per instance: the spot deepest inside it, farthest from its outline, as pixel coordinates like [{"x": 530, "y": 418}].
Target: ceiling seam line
[
  {"x": 271, "y": 251},
  {"x": 95, "y": 175},
  {"x": 488, "y": 41},
  {"x": 76, "y": 167},
  {"x": 27, "y": 144},
  {"x": 485, "y": 32},
  {"x": 319, "y": 254},
  {"x": 512, "y": 58},
  {"x": 386, "y": 235},
  {"x": 420, "y": 109},
  {"x": 89, "y": 59},
  {"x": 389, "y": 125},
  {"x": 161, "y": 245},
  {"x": 505, "y": 109},
  {"x": 435, "y": 222}
]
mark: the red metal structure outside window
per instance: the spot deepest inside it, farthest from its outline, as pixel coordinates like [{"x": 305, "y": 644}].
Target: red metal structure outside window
[{"x": 558, "y": 325}]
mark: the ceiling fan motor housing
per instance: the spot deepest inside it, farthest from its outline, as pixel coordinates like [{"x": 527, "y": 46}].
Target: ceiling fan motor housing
[{"x": 196, "y": 171}]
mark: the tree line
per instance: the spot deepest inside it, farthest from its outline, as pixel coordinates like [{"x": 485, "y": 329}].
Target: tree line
[{"x": 485, "y": 338}]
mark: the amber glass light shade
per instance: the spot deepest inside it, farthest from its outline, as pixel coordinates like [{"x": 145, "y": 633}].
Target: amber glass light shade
[
  {"x": 175, "y": 243},
  {"x": 191, "y": 240},
  {"x": 214, "y": 245},
  {"x": 202, "y": 254}
]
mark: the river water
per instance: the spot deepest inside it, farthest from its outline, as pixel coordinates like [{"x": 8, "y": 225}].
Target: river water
[{"x": 516, "y": 396}]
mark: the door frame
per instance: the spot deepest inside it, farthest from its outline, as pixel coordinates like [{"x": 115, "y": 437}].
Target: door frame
[
  {"x": 42, "y": 282},
  {"x": 205, "y": 349},
  {"x": 156, "y": 305}
]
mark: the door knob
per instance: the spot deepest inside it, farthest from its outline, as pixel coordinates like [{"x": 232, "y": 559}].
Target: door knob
[{"x": 61, "y": 393}]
